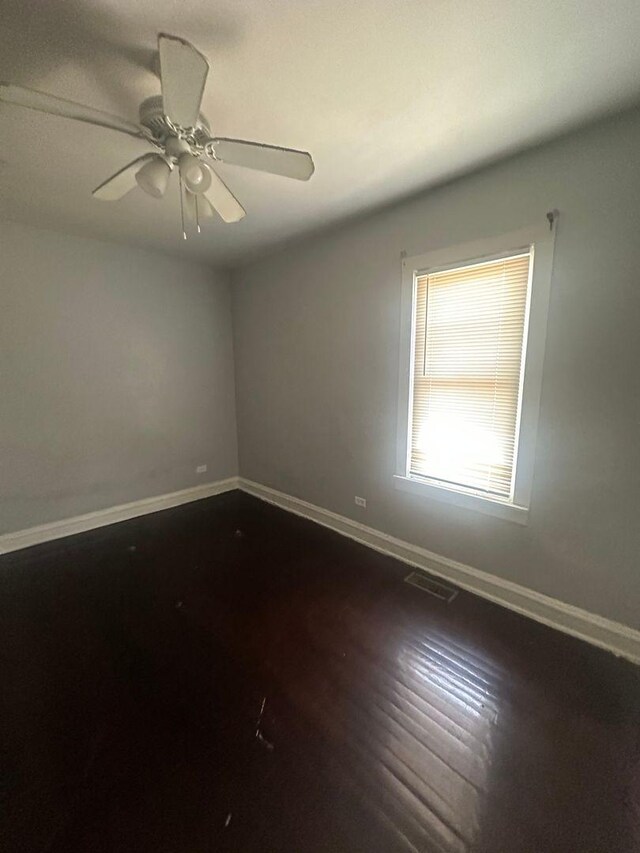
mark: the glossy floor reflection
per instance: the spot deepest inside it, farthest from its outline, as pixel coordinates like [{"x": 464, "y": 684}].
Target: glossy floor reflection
[{"x": 227, "y": 677}]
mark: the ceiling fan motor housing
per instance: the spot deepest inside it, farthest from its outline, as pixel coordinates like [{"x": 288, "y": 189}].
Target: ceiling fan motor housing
[{"x": 152, "y": 116}]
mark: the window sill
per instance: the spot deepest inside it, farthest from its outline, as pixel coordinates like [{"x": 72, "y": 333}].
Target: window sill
[{"x": 468, "y": 500}]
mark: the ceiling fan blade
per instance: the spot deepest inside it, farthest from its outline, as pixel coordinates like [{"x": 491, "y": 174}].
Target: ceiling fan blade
[
  {"x": 44, "y": 103},
  {"x": 183, "y": 73},
  {"x": 265, "y": 158},
  {"x": 119, "y": 184},
  {"x": 205, "y": 210},
  {"x": 197, "y": 207},
  {"x": 223, "y": 200}
]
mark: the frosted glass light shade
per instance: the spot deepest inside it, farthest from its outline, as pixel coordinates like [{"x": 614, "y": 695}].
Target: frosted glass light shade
[
  {"x": 195, "y": 175},
  {"x": 154, "y": 176}
]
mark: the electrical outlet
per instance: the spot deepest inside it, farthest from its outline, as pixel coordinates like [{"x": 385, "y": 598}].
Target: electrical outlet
[
  {"x": 201, "y": 469},
  {"x": 361, "y": 502}
]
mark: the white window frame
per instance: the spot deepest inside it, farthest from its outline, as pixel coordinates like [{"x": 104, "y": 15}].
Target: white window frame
[{"x": 540, "y": 241}]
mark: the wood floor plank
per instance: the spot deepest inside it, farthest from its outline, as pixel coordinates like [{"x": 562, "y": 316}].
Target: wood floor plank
[{"x": 224, "y": 676}]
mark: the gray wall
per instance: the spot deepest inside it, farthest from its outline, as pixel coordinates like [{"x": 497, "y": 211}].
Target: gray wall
[
  {"x": 116, "y": 376},
  {"x": 316, "y": 339}
]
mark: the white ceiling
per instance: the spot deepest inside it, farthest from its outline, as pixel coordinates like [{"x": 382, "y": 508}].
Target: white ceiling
[{"x": 390, "y": 96}]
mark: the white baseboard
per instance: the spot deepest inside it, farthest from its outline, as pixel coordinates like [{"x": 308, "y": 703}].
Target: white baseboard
[
  {"x": 102, "y": 517},
  {"x": 613, "y": 636}
]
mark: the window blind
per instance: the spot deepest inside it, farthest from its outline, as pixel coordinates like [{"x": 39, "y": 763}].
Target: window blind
[{"x": 468, "y": 345}]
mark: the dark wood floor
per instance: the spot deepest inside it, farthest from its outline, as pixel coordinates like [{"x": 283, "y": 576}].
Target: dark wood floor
[{"x": 227, "y": 677}]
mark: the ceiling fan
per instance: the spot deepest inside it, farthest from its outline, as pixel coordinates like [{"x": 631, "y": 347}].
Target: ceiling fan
[{"x": 173, "y": 124}]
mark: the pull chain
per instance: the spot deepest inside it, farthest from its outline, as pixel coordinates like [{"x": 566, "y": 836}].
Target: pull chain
[
  {"x": 197, "y": 215},
  {"x": 184, "y": 233}
]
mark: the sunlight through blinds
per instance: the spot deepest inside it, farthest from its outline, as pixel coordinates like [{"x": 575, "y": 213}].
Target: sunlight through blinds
[{"x": 468, "y": 345}]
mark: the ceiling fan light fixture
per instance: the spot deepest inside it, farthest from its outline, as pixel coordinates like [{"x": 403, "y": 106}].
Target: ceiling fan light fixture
[
  {"x": 173, "y": 124},
  {"x": 154, "y": 176},
  {"x": 194, "y": 175},
  {"x": 206, "y": 178}
]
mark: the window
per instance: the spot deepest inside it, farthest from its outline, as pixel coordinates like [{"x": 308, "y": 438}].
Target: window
[
  {"x": 472, "y": 362},
  {"x": 468, "y": 336}
]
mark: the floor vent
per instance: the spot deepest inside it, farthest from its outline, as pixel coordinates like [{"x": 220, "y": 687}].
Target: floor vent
[{"x": 436, "y": 588}]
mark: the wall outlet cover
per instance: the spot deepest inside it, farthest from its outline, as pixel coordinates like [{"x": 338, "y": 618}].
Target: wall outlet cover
[
  {"x": 360, "y": 501},
  {"x": 201, "y": 469}
]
